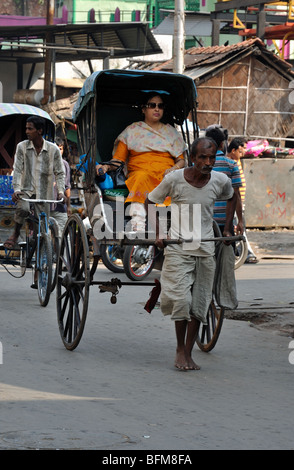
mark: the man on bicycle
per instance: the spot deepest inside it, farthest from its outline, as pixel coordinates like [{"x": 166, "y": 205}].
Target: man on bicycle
[{"x": 36, "y": 163}]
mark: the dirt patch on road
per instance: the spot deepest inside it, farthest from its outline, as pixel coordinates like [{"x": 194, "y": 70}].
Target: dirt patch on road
[
  {"x": 281, "y": 322},
  {"x": 272, "y": 243},
  {"x": 269, "y": 244}
]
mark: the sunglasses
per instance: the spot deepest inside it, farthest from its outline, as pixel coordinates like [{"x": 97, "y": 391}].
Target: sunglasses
[{"x": 154, "y": 105}]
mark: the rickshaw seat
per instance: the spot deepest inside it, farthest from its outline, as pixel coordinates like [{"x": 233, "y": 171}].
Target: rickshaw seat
[{"x": 115, "y": 194}]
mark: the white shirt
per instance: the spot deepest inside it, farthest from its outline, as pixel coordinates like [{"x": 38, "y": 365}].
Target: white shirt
[
  {"x": 34, "y": 173},
  {"x": 182, "y": 193}
]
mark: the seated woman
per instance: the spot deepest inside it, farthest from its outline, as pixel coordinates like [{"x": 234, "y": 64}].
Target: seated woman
[{"x": 150, "y": 149}]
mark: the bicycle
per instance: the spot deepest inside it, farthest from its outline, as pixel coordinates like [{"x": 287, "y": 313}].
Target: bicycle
[
  {"x": 241, "y": 248},
  {"x": 38, "y": 251}
]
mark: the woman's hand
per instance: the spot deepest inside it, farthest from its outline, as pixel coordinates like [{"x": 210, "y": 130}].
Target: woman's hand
[
  {"x": 169, "y": 170},
  {"x": 177, "y": 166},
  {"x": 104, "y": 168}
]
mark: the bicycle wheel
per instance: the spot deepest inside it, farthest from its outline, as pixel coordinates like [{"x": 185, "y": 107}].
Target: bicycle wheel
[
  {"x": 44, "y": 267},
  {"x": 111, "y": 256},
  {"x": 241, "y": 253},
  {"x": 138, "y": 261},
  {"x": 208, "y": 334},
  {"x": 73, "y": 281},
  {"x": 53, "y": 230}
]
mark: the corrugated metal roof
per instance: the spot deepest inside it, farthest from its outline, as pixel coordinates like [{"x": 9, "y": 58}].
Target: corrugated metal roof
[
  {"x": 196, "y": 24},
  {"x": 80, "y": 42},
  {"x": 197, "y": 72}
]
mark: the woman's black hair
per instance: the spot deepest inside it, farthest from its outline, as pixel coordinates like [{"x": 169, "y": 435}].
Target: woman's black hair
[{"x": 148, "y": 96}]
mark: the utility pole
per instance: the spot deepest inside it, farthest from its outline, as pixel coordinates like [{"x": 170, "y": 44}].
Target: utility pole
[
  {"x": 48, "y": 56},
  {"x": 179, "y": 36}
]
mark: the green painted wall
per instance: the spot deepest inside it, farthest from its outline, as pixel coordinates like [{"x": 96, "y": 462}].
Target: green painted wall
[{"x": 104, "y": 9}]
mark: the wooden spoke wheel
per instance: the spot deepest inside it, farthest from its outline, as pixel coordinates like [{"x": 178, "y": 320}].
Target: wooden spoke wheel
[
  {"x": 208, "y": 334},
  {"x": 73, "y": 282}
]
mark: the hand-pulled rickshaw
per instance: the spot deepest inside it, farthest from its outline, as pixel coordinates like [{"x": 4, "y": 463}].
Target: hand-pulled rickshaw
[
  {"x": 108, "y": 102},
  {"x": 38, "y": 244}
]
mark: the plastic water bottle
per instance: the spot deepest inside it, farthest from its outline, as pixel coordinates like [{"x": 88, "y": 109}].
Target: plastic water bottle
[
  {"x": 101, "y": 176},
  {"x": 104, "y": 180}
]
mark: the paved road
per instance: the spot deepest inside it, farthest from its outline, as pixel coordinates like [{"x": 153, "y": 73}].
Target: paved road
[{"x": 119, "y": 391}]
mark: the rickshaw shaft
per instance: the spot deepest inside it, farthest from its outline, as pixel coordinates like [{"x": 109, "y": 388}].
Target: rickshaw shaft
[{"x": 140, "y": 241}]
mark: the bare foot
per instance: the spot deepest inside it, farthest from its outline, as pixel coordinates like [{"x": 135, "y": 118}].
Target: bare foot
[
  {"x": 192, "y": 365},
  {"x": 181, "y": 362}
]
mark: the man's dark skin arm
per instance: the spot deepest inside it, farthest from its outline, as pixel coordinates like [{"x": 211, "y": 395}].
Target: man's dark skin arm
[
  {"x": 240, "y": 225},
  {"x": 155, "y": 225},
  {"x": 230, "y": 211}
]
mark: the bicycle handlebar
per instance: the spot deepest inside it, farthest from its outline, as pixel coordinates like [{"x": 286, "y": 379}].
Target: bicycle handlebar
[{"x": 44, "y": 201}]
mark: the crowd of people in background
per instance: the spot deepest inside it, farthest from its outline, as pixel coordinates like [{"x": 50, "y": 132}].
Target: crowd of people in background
[{"x": 228, "y": 161}]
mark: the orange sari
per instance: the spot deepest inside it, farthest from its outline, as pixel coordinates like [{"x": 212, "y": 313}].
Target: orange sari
[{"x": 146, "y": 167}]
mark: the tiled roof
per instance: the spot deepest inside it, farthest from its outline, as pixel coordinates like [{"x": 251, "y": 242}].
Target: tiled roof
[{"x": 199, "y": 60}]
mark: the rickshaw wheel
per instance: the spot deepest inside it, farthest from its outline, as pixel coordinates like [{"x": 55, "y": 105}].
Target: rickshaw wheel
[
  {"x": 44, "y": 279},
  {"x": 138, "y": 261},
  {"x": 208, "y": 334},
  {"x": 73, "y": 282}
]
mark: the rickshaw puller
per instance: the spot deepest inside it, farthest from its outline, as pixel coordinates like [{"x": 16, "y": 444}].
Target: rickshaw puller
[{"x": 188, "y": 273}]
